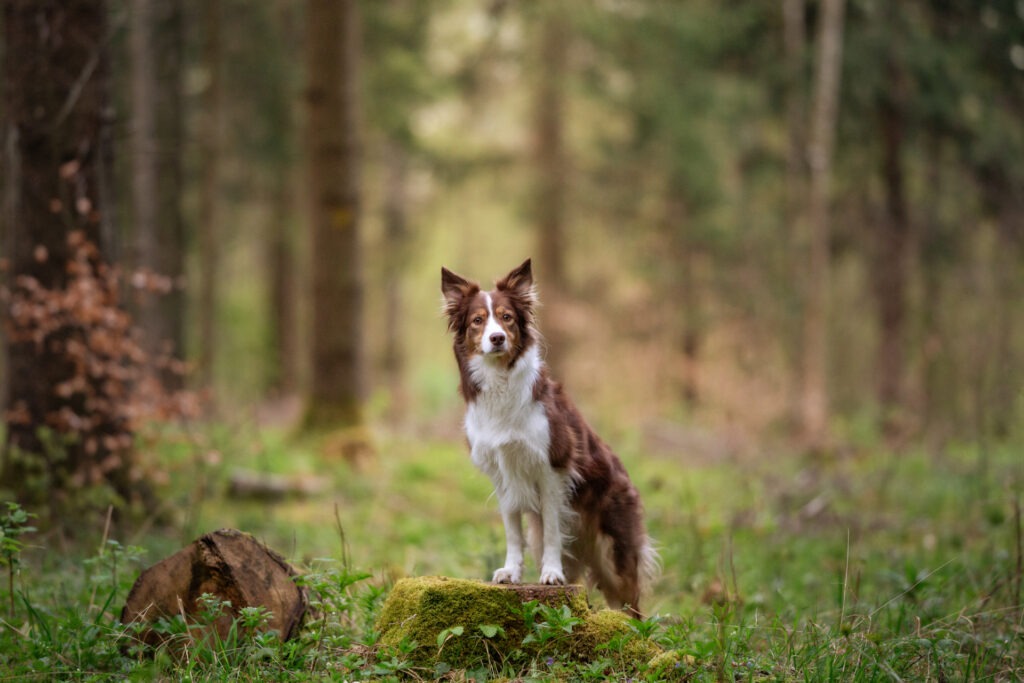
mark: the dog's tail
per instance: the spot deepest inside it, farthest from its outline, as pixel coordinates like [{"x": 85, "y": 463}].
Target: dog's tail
[{"x": 650, "y": 565}]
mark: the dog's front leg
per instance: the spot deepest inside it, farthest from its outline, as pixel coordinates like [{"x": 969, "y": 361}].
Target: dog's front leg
[
  {"x": 512, "y": 572},
  {"x": 552, "y": 502}
]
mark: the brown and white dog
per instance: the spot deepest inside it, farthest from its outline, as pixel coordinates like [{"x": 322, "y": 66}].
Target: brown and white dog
[{"x": 585, "y": 517}]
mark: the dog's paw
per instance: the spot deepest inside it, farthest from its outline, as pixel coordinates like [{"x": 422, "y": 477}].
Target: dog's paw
[
  {"x": 552, "y": 576},
  {"x": 508, "y": 575}
]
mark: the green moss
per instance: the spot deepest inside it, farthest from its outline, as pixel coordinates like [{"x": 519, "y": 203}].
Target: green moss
[
  {"x": 606, "y": 633},
  {"x": 671, "y": 665},
  {"x": 422, "y": 609}
]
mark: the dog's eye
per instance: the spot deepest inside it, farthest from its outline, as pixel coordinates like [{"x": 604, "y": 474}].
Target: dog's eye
[
  {"x": 507, "y": 318},
  {"x": 477, "y": 320}
]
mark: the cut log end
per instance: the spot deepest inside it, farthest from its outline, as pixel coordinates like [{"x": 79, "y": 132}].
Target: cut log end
[
  {"x": 228, "y": 564},
  {"x": 543, "y": 593}
]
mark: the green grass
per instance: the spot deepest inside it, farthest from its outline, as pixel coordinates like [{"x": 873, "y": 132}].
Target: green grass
[{"x": 872, "y": 566}]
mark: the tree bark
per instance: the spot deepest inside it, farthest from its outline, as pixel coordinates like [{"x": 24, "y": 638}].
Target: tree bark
[
  {"x": 69, "y": 347},
  {"x": 156, "y": 47},
  {"x": 814, "y": 412},
  {"x": 333, "y": 157}
]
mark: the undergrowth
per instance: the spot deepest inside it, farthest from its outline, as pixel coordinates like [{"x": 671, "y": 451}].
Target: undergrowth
[{"x": 873, "y": 567}]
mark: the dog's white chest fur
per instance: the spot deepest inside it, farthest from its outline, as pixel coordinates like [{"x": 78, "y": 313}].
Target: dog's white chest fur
[{"x": 509, "y": 434}]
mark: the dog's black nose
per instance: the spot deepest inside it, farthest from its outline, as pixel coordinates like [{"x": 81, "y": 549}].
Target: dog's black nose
[{"x": 497, "y": 339}]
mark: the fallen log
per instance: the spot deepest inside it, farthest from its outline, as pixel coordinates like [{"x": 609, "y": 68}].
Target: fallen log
[
  {"x": 273, "y": 487},
  {"x": 228, "y": 564}
]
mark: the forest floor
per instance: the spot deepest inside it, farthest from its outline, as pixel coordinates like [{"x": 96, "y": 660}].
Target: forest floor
[{"x": 865, "y": 565}]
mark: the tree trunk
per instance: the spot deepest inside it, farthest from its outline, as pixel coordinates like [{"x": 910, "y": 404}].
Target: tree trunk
[
  {"x": 69, "y": 347},
  {"x": 333, "y": 158},
  {"x": 156, "y": 47},
  {"x": 210, "y": 135},
  {"x": 814, "y": 412},
  {"x": 891, "y": 257},
  {"x": 552, "y": 168}
]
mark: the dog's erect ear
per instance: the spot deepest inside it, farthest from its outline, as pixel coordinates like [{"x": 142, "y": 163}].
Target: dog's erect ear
[
  {"x": 452, "y": 284},
  {"x": 455, "y": 288},
  {"x": 519, "y": 282}
]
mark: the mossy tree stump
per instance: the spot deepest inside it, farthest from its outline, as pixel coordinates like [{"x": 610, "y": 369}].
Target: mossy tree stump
[
  {"x": 425, "y": 610},
  {"x": 228, "y": 564}
]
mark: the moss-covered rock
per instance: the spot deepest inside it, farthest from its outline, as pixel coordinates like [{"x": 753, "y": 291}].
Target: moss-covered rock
[{"x": 469, "y": 623}]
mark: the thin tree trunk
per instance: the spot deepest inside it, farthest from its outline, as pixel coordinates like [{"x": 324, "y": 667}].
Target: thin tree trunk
[
  {"x": 209, "y": 242},
  {"x": 1006, "y": 380},
  {"x": 552, "y": 167},
  {"x": 891, "y": 258},
  {"x": 333, "y": 156},
  {"x": 934, "y": 395},
  {"x": 814, "y": 403},
  {"x": 677, "y": 225},
  {"x": 795, "y": 45},
  {"x": 156, "y": 47},
  {"x": 143, "y": 132},
  {"x": 396, "y": 245},
  {"x": 282, "y": 255},
  {"x": 283, "y": 292}
]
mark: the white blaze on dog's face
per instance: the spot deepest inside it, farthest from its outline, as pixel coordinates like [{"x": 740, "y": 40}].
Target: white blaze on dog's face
[{"x": 492, "y": 325}]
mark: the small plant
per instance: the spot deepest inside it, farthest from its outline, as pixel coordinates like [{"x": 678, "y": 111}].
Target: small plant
[
  {"x": 484, "y": 632},
  {"x": 446, "y": 634},
  {"x": 210, "y": 644},
  {"x": 396, "y": 660},
  {"x": 547, "y": 623},
  {"x": 492, "y": 631},
  {"x": 645, "y": 628},
  {"x": 342, "y": 615},
  {"x": 211, "y": 607},
  {"x": 13, "y": 524},
  {"x": 597, "y": 670},
  {"x": 105, "y": 570}
]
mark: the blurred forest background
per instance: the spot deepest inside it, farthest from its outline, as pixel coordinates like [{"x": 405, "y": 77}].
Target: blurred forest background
[{"x": 797, "y": 220}]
